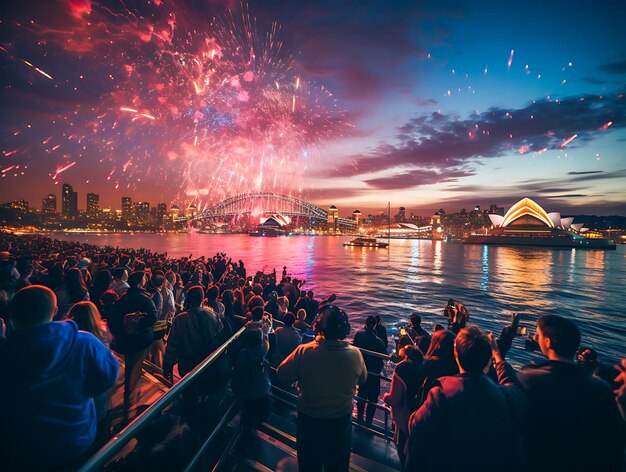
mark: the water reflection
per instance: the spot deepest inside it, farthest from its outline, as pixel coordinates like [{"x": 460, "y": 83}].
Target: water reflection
[
  {"x": 484, "y": 280},
  {"x": 422, "y": 275}
]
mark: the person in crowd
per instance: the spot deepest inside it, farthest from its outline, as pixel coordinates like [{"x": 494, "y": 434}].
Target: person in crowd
[
  {"x": 167, "y": 293},
  {"x": 573, "y": 421},
  {"x": 439, "y": 358},
  {"x": 120, "y": 281},
  {"x": 370, "y": 390},
  {"x": 50, "y": 373},
  {"x": 287, "y": 338},
  {"x": 381, "y": 331},
  {"x": 24, "y": 266},
  {"x": 415, "y": 334},
  {"x": 250, "y": 381},
  {"x": 194, "y": 335},
  {"x": 131, "y": 324},
  {"x": 107, "y": 303},
  {"x": 9, "y": 275},
  {"x": 283, "y": 308},
  {"x": 87, "y": 318},
  {"x": 405, "y": 383},
  {"x": 327, "y": 372},
  {"x": 73, "y": 290},
  {"x": 457, "y": 315},
  {"x": 482, "y": 415},
  {"x": 300, "y": 323},
  {"x": 101, "y": 284},
  {"x": 312, "y": 307},
  {"x": 238, "y": 305}
]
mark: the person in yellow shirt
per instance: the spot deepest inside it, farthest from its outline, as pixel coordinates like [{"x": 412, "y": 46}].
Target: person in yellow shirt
[{"x": 327, "y": 371}]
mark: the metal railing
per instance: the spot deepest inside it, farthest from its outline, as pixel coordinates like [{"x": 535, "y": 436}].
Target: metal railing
[{"x": 117, "y": 442}]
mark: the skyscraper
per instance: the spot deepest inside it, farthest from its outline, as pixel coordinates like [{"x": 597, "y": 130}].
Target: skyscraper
[
  {"x": 69, "y": 201},
  {"x": 93, "y": 204},
  {"x": 49, "y": 204},
  {"x": 161, "y": 212},
  {"x": 127, "y": 208}
]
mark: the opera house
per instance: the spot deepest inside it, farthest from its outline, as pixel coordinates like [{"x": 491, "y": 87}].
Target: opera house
[{"x": 528, "y": 224}]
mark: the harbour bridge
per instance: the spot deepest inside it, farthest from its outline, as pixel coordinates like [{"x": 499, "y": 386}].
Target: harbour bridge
[{"x": 267, "y": 204}]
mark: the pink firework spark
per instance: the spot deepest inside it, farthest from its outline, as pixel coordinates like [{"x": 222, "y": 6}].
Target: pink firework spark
[
  {"x": 606, "y": 125},
  {"x": 61, "y": 169},
  {"x": 510, "y": 61},
  {"x": 568, "y": 140}
]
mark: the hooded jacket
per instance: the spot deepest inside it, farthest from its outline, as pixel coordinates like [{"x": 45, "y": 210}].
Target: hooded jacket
[{"x": 50, "y": 375}]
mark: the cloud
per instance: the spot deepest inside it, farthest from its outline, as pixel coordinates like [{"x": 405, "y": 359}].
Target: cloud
[
  {"x": 439, "y": 144},
  {"x": 355, "y": 46},
  {"x": 585, "y": 172},
  {"x": 416, "y": 178},
  {"x": 616, "y": 67}
]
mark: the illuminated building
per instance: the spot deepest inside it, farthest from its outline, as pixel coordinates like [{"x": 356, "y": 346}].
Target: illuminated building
[
  {"x": 49, "y": 204},
  {"x": 528, "y": 224},
  {"x": 333, "y": 216},
  {"x": 93, "y": 205},
  {"x": 356, "y": 216},
  {"x": 161, "y": 212},
  {"x": 69, "y": 201},
  {"x": 127, "y": 208}
]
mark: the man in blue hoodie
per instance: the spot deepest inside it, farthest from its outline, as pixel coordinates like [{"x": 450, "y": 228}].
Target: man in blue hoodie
[{"x": 50, "y": 373}]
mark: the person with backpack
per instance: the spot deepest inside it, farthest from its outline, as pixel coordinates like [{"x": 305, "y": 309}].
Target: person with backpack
[
  {"x": 194, "y": 335},
  {"x": 250, "y": 381},
  {"x": 131, "y": 324}
]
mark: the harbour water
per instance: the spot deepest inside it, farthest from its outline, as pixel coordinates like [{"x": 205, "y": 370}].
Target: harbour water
[{"x": 421, "y": 275}]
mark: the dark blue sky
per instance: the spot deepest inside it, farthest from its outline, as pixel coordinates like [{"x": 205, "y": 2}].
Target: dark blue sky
[{"x": 439, "y": 111}]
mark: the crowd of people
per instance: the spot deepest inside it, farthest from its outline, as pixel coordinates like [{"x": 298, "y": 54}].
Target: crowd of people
[{"x": 70, "y": 313}]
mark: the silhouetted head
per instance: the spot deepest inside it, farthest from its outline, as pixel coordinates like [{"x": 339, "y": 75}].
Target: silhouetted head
[
  {"x": 33, "y": 306},
  {"x": 332, "y": 323},
  {"x": 472, "y": 350},
  {"x": 558, "y": 334},
  {"x": 289, "y": 319},
  {"x": 195, "y": 296}
]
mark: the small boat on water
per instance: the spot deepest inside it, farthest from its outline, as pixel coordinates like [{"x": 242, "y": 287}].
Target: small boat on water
[{"x": 366, "y": 242}]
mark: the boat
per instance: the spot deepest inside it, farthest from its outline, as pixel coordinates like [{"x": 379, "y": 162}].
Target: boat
[
  {"x": 268, "y": 231},
  {"x": 366, "y": 242},
  {"x": 557, "y": 239}
]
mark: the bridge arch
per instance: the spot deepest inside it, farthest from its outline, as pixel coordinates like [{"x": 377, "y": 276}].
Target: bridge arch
[{"x": 264, "y": 203}]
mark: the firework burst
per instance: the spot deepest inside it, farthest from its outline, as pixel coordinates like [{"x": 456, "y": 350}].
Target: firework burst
[{"x": 212, "y": 108}]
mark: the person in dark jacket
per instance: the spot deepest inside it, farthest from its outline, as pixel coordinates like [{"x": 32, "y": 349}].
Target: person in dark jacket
[
  {"x": 573, "y": 420},
  {"x": 381, "y": 331},
  {"x": 193, "y": 336},
  {"x": 131, "y": 326},
  {"x": 50, "y": 374},
  {"x": 370, "y": 390},
  {"x": 405, "y": 383},
  {"x": 250, "y": 381},
  {"x": 469, "y": 422}
]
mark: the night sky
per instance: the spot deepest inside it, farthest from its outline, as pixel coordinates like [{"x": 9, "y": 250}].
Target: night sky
[{"x": 353, "y": 103}]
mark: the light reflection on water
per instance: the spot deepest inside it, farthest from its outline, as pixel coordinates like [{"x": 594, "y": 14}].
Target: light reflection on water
[{"x": 421, "y": 275}]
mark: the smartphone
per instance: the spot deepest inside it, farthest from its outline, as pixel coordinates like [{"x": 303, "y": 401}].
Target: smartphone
[
  {"x": 522, "y": 331},
  {"x": 403, "y": 331}
]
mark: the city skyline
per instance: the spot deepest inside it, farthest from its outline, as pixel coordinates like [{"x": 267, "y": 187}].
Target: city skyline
[{"x": 444, "y": 105}]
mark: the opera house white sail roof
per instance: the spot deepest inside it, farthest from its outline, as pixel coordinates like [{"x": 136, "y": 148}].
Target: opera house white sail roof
[{"x": 530, "y": 211}]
